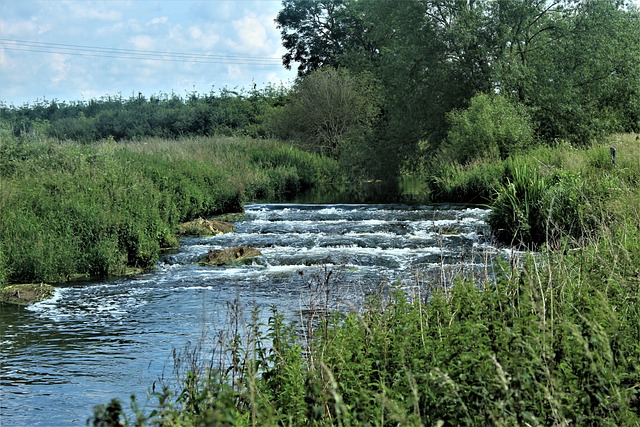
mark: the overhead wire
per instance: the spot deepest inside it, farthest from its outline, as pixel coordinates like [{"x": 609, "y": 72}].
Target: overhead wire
[{"x": 119, "y": 53}]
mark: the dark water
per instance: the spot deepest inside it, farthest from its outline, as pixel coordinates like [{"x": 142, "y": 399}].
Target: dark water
[{"x": 96, "y": 341}]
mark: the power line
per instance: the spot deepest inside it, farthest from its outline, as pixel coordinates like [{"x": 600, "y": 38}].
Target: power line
[{"x": 118, "y": 53}]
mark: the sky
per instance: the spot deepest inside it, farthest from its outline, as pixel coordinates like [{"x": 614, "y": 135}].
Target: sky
[{"x": 76, "y": 50}]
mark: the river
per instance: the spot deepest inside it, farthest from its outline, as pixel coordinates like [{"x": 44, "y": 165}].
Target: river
[{"x": 94, "y": 341}]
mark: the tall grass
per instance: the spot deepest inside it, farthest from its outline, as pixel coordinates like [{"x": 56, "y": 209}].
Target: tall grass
[
  {"x": 472, "y": 183},
  {"x": 548, "y": 193},
  {"x": 69, "y": 209},
  {"x": 553, "y": 194}
]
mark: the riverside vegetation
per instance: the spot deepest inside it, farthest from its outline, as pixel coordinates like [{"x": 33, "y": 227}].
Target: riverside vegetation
[
  {"x": 552, "y": 340},
  {"x": 515, "y": 104},
  {"x": 69, "y": 210}
]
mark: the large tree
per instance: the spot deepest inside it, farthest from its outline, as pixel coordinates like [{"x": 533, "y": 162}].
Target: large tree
[
  {"x": 315, "y": 32},
  {"x": 575, "y": 65},
  {"x": 328, "y": 107}
]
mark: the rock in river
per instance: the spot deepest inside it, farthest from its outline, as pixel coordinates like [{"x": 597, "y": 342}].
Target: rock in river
[
  {"x": 205, "y": 227},
  {"x": 25, "y": 294},
  {"x": 230, "y": 256}
]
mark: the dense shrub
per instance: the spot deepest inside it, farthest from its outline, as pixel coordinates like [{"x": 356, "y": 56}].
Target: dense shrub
[
  {"x": 472, "y": 183},
  {"x": 164, "y": 115},
  {"x": 539, "y": 202},
  {"x": 491, "y": 128}
]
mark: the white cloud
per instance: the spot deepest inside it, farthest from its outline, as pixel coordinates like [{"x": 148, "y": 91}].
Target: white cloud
[
  {"x": 234, "y": 71},
  {"x": 251, "y": 35},
  {"x": 86, "y": 12},
  {"x": 159, "y": 21},
  {"x": 142, "y": 42},
  {"x": 59, "y": 68},
  {"x": 195, "y": 32},
  {"x": 208, "y": 29},
  {"x": 9, "y": 28},
  {"x": 205, "y": 38}
]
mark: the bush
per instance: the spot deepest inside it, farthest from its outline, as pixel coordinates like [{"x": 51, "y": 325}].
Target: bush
[
  {"x": 538, "y": 202},
  {"x": 517, "y": 212},
  {"x": 473, "y": 183},
  {"x": 491, "y": 128},
  {"x": 328, "y": 107}
]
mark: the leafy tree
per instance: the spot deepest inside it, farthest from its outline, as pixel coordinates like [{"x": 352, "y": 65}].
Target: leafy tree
[
  {"x": 572, "y": 64},
  {"x": 169, "y": 116},
  {"x": 327, "y": 108},
  {"x": 317, "y": 32}
]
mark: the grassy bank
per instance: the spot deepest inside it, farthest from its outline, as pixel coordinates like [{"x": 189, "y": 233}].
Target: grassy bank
[
  {"x": 69, "y": 210},
  {"x": 549, "y": 195}
]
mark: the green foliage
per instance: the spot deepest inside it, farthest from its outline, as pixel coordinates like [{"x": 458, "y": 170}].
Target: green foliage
[
  {"x": 107, "y": 415},
  {"x": 298, "y": 23},
  {"x": 546, "y": 194},
  {"x": 549, "y": 338},
  {"x": 583, "y": 81},
  {"x": 3, "y": 270},
  {"x": 570, "y": 70},
  {"x": 70, "y": 210},
  {"x": 491, "y": 128},
  {"x": 517, "y": 213},
  {"x": 165, "y": 116},
  {"x": 539, "y": 202},
  {"x": 328, "y": 107},
  {"x": 473, "y": 183}
]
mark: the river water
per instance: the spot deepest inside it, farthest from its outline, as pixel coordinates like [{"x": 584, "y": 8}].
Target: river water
[{"x": 94, "y": 341}]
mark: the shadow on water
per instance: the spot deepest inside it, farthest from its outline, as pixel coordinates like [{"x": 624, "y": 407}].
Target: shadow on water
[{"x": 410, "y": 190}]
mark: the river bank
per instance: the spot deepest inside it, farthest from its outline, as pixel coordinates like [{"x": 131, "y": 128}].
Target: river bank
[
  {"x": 111, "y": 338},
  {"x": 99, "y": 210},
  {"x": 547, "y": 195},
  {"x": 550, "y": 339}
]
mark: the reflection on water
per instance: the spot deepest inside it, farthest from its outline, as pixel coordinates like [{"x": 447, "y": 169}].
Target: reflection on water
[{"x": 97, "y": 340}]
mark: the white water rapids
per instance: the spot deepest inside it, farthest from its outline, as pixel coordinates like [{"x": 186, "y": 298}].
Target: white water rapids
[{"x": 98, "y": 340}]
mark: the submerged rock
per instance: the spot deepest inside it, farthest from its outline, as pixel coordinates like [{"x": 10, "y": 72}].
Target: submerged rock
[
  {"x": 25, "y": 294},
  {"x": 205, "y": 227},
  {"x": 230, "y": 256}
]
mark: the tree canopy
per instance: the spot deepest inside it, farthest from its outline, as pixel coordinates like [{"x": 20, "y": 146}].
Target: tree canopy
[{"x": 573, "y": 65}]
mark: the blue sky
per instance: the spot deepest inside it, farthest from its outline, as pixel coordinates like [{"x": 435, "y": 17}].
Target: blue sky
[
  {"x": 80, "y": 49},
  {"x": 73, "y": 50}
]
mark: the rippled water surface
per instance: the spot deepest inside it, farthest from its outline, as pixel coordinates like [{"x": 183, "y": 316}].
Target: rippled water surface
[{"x": 96, "y": 341}]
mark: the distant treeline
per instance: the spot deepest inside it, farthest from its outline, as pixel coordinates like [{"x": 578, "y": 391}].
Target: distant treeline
[{"x": 227, "y": 112}]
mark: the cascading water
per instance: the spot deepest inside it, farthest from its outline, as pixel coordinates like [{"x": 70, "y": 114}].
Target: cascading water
[{"x": 96, "y": 341}]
